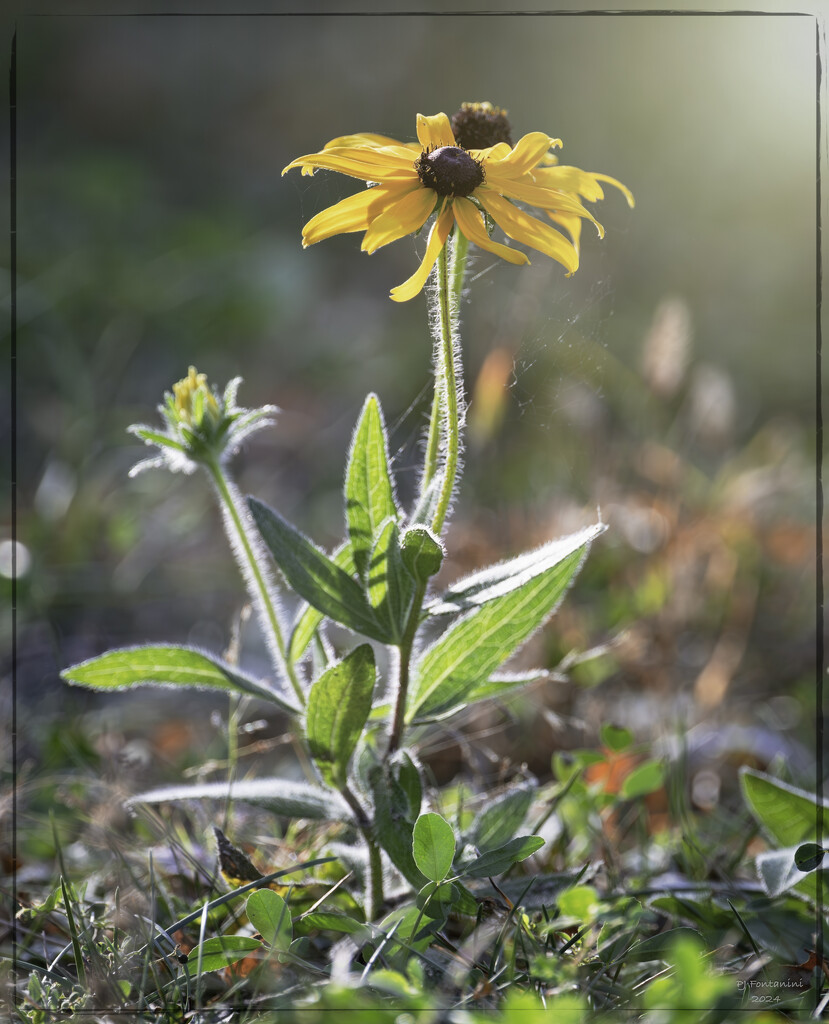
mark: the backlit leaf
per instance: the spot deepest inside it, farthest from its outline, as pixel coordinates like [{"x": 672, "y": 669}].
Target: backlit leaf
[
  {"x": 433, "y": 846},
  {"x": 315, "y": 576},
  {"x": 369, "y": 496},
  {"x": 338, "y": 707},
  {"x": 167, "y": 665}
]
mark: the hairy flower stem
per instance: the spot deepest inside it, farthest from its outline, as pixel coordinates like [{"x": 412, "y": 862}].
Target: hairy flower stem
[
  {"x": 446, "y": 381},
  {"x": 374, "y": 881},
  {"x": 245, "y": 548},
  {"x": 406, "y": 645},
  {"x": 457, "y": 273}
]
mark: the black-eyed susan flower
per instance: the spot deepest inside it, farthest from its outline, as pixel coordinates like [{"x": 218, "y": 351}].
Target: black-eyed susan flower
[{"x": 462, "y": 183}]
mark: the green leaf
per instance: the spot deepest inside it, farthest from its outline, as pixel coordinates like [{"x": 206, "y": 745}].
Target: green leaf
[
  {"x": 269, "y": 915},
  {"x": 422, "y": 553},
  {"x": 287, "y": 799},
  {"x": 786, "y": 814},
  {"x": 338, "y": 707},
  {"x": 467, "y": 654},
  {"x": 809, "y": 856},
  {"x": 501, "y": 818},
  {"x": 659, "y": 947},
  {"x": 407, "y": 776},
  {"x": 313, "y": 575},
  {"x": 308, "y": 618},
  {"x": 392, "y": 827},
  {"x": 433, "y": 846},
  {"x": 615, "y": 738},
  {"x": 330, "y": 921},
  {"x": 645, "y": 778},
  {"x": 218, "y": 952},
  {"x": 390, "y": 587},
  {"x": 498, "y": 580},
  {"x": 369, "y": 496},
  {"x": 497, "y": 861},
  {"x": 167, "y": 665}
]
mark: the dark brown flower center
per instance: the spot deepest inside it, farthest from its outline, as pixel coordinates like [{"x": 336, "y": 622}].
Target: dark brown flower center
[
  {"x": 480, "y": 125},
  {"x": 450, "y": 171}
]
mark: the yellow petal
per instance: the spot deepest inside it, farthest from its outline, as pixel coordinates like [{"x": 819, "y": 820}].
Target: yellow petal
[
  {"x": 352, "y": 214},
  {"x": 626, "y": 192},
  {"x": 570, "y": 179},
  {"x": 544, "y": 198},
  {"x": 366, "y": 163},
  {"x": 525, "y": 154},
  {"x": 434, "y": 131},
  {"x": 362, "y": 139},
  {"x": 407, "y": 215},
  {"x": 471, "y": 223},
  {"x": 571, "y": 224},
  {"x": 496, "y": 152},
  {"x": 526, "y": 229},
  {"x": 437, "y": 240}
]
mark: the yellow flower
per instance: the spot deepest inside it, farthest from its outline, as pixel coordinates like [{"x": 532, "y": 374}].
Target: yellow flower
[{"x": 411, "y": 181}]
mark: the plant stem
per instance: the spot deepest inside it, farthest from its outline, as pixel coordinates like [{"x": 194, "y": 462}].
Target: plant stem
[
  {"x": 249, "y": 553},
  {"x": 444, "y": 434},
  {"x": 445, "y": 373},
  {"x": 449, "y": 289},
  {"x": 406, "y": 644}
]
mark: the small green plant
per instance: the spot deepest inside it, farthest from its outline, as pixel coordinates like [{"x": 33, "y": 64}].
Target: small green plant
[
  {"x": 367, "y": 654},
  {"x": 445, "y": 650}
]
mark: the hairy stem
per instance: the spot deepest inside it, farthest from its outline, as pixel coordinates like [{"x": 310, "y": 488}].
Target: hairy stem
[
  {"x": 406, "y": 644},
  {"x": 248, "y": 553},
  {"x": 447, "y": 318},
  {"x": 450, "y": 279}
]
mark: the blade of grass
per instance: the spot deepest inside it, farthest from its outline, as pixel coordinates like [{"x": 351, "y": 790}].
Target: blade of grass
[{"x": 73, "y": 932}]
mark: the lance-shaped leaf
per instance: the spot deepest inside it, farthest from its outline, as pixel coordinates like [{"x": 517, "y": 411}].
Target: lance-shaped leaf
[
  {"x": 219, "y": 952},
  {"x": 466, "y": 654},
  {"x": 389, "y": 586},
  {"x": 287, "y": 799},
  {"x": 496, "y": 861},
  {"x": 167, "y": 665},
  {"x": 497, "y": 580},
  {"x": 786, "y": 814},
  {"x": 369, "y": 496},
  {"x": 315, "y": 576},
  {"x": 501, "y": 685},
  {"x": 308, "y": 618},
  {"x": 338, "y": 707}
]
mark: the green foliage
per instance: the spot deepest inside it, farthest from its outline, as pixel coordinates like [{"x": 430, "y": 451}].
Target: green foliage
[
  {"x": 788, "y": 816},
  {"x": 338, "y": 707},
  {"x": 269, "y": 915},
  {"x": 219, "y": 952},
  {"x": 167, "y": 665},
  {"x": 315, "y": 576},
  {"x": 369, "y": 494},
  {"x": 433, "y": 846},
  {"x": 502, "y": 617}
]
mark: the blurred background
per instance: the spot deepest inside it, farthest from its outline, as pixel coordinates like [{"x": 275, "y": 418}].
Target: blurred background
[{"x": 670, "y": 384}]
